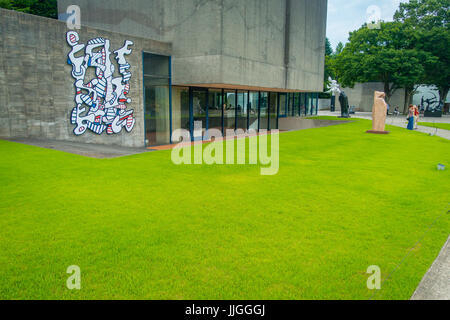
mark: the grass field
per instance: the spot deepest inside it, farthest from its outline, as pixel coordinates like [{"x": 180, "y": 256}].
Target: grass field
[
  {"x": 140, "y": 227},
  {"x": 445, "y": 126}
]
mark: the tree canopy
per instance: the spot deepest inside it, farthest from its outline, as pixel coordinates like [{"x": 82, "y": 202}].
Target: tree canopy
[
  {"x": 44, "y": 8},
  {"x": 386, "y": 55},
  {"x": 430, "y": 21}
]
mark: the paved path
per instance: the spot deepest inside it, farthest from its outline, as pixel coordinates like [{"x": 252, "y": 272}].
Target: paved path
[
  {"x": 83, "y": 149},
  {"x": 400, "y": 121},
  {"x": 435, "y": 285}
]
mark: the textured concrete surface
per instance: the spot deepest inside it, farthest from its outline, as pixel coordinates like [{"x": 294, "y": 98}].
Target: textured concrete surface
[
  {"x": 84, "y": 149},
  {"x": 435, "y": 285},
  {"x": 361, "y": 96},
  {"x": 400, "y": 121},
  {"x": 253, "y": 43},
  {"x": 36, "y": 87}
]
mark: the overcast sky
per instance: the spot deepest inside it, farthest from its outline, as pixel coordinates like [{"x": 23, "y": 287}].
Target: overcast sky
[{"x": 348, "y": 15}]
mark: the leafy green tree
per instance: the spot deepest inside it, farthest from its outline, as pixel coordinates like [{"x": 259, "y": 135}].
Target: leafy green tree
[
  {"x": 328, "y": 48},
  {"x": 430, "y": 21},
  {"x": 328, "y": 72},
  {"x": 384, "y": 55},
  {"x": 45, "y": 8},
  {"x": 339, "y": 48},
  {"x": 6, "y": 4}
]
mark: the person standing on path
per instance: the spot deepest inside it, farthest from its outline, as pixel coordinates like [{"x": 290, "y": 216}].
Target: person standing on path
[
  {"x": 416, "y": 117},
  {"x": 410, "y": 118}
]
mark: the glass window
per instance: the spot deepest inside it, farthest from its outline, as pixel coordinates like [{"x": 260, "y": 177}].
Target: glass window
[
  {"x": 199, "y": 106},
  {"x": 253, "y": 110},
  {"x": 308, "y": 104},
  {"x": 273, "y": 101},
  {"x": 157, "y": 99},
  {"x": 283, "y": 100},
  {"x": 264, "y": 113},
  {"x": 215, "y": 109},
  {"x": 316, "y": 103},
  {"x": 242, "y": 110},
  {"x": 229, "y": 109},
  {"x": 180, "y": 109},
  {"x": 296, "y": 103},
  {"x": 302, "y": 104}
]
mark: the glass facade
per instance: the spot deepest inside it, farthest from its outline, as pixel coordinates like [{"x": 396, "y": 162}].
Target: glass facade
[
  {"x": 194, "y": 109},
  {"x": 180, "y": 109},
  {"x": 253, "y": 107},
  {"x": 229, "y": 114},
  {"x": 242, "y": 110},
  {"x": 157, "y": 99},
  {"x": 273, "y": 114},
  {"x": 264, "y": 111},
  {"x": 302, "y": 104},
  {"x": 283, "y": 105},
  {"x": 215, "y": 107}
]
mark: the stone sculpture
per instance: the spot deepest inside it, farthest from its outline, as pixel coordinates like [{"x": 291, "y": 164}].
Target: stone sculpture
[
  {"x": 379, "y": 112},
  {"x": 343, "y": 100}
]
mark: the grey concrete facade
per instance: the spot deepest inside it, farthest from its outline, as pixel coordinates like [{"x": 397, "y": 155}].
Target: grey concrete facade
[
  {"x": 276, "y": 45},
  {"x": 36, "y": 87},
  {"x": 361, "y": 96}
]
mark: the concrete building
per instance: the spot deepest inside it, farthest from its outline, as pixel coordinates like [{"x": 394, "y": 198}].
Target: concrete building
[
  {"x": 223, "y": 64},
  {"x": 361, "y": 96}
]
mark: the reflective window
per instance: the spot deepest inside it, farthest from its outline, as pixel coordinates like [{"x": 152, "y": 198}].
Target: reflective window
[
  {"x": 283, "y": 101},
  {"x": 296, "y": 103},
  {"x": 157, "y": 99},
  {"x": 302, "y": 104},
  {"x": 199, "y": 106},
  {"x": 264, "y": 113},
  {"x": 273, "y": 101},
  {"x": 242, "y": 110},
  {"x": 290, "y": 104},
  {"x": 215, "y": 109},
  {"x": 229, "y": 109},
  {"x": 180, "y": 109},
  {"x": 308, "y": 104},
  {"x": 253, "y": 110}
]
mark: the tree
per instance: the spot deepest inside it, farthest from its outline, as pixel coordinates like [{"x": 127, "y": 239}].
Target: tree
[
  {"x": 328, "y": 48},
  {"x": 384, "y": 55},
  {"x": 430, "y": 21},
  {"x": 339, "y": 48},
  {"x": 328, "y": 72},
  {"x": 45, "y": 8}
]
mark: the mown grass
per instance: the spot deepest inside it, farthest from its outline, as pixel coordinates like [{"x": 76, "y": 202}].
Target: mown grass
[
  {"x": 141, "y": 227},
  {"x": 445, "y": 126}
]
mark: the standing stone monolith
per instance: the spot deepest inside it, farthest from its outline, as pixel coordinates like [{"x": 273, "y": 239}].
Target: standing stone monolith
[{"x": 379, "y": 112}]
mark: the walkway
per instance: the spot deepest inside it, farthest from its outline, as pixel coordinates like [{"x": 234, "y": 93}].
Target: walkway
[
  {"x": 400, "y": 121},
  {"x": 435, "y": 285},
  {"x": 84, "y": 149}
]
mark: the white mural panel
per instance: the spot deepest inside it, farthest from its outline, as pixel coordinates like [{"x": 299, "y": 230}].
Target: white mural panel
[{"x": 101, "y": 98}]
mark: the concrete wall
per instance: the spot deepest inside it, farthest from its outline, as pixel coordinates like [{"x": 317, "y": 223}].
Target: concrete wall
[
  {"x": 361, "y": 96},
  {"x": 275, "y": 44},
  {"x": 36, "y": 87}
]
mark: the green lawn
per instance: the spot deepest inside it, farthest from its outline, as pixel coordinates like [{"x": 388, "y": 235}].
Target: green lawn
[
  {"x": 445, "y": 126},
  {"x": 142, "y": 228}
]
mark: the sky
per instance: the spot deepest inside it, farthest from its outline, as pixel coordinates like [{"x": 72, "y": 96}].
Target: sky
[{"x": 348, "y": 15}]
